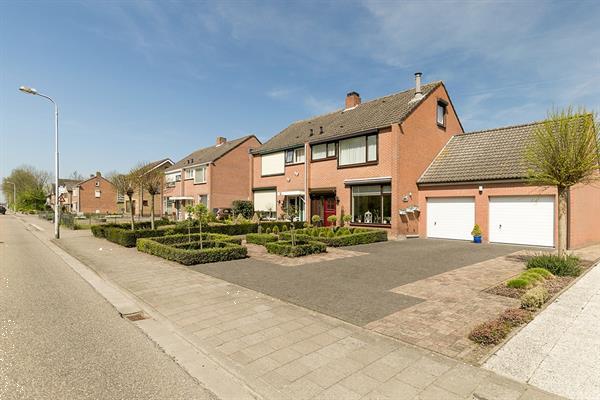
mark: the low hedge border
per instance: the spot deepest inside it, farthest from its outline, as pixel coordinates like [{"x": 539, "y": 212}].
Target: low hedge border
[
  {"x": 127, "y": 237},
  {"x": 195, "y": 237},
  {"x": 302, "y": 248},
  {"x": 361, "y": 237},
  {"x": 100, "y": 230},
  {"x": 233, "y": 229},
  {"x": 222, "y": 252},
  {"x": 261, "y": 238}
]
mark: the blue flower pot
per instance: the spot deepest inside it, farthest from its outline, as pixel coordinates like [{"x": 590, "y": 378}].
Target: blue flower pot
[{"x": 476, "y": 239}]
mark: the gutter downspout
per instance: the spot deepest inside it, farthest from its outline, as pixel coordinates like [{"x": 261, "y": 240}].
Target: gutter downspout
[{"x": 306, "y": 171}]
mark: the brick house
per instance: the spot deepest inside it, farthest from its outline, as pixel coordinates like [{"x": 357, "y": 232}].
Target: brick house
[
  {"x": 65, "y": 188},
  {"x": 141, "y": 198},
  {"x": 363, "y": 160},
  {"x": 94, "y": 195},
  {"x": 480, "y": 177},
  {"x": 214, "y": 176}
]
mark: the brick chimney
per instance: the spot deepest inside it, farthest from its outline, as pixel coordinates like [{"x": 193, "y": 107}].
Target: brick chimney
[
  {"x": 98, "y": 174},
  {"x": 221, "y": 140},
  {"x": 352, "y": 100}
]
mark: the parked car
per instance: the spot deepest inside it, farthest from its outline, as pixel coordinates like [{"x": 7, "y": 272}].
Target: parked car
[{"x": 2, "y": 209}]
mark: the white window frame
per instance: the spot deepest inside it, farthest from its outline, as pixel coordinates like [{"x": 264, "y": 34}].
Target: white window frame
[
  {"x": 200, "y": 177},
  {"x": 189, "y": 174},
  {"x": 97, "y": 193},
  {"x": 443, "y": 106},
  {"x": 366, "y": 153},
  {"x": 297, "y": 156}
]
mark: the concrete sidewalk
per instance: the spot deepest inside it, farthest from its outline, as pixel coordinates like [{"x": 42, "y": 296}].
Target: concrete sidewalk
[
  {"x": 279, "y": 350},
  {"x": 560, "y": 349}
]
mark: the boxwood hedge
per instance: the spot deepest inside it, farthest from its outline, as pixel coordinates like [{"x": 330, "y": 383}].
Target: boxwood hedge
[
  {"x": 100, "y": 230},
  {"x": 213, "y": 251},
  {"x": 302, "y": 248},
  {"x": 195, "y": 237},
  {"x": 354, "y": 237},
  {"x": 261, "y": 238},
  {"x": 127, "y": 237},
  {"x": 232, "y": 229}
]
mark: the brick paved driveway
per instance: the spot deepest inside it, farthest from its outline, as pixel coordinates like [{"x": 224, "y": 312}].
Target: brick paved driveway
[{"x": 357, "y": 289}]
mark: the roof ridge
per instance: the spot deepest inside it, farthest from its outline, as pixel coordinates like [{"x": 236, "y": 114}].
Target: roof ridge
[
  {"x": 433, "y": 83},
  {"x": 500, "y": 128}
]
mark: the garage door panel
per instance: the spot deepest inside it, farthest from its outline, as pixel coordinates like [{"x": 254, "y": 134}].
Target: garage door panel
[
  {"x": 525, "y": 220},
  {"x": 450, "y": 217}
]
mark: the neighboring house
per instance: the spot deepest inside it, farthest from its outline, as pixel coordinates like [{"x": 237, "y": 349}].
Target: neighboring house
[
  {"x": 214, "y": 176},
  {"x": 480, "y": 177},
  {"x": 95, "y": 195},
  {"x": 65, "y": 189},
  {"x": 363, "y": 160},
  {"x": 141, "y": 198}
]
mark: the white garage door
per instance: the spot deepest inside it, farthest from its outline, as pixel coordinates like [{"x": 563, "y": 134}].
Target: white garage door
[
  {"x": 450, "y": 217},
  {"x": 522, "y": 220}
]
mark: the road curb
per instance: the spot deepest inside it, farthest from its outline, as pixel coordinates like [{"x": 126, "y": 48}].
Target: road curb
[{"x": 210, "y": 374}]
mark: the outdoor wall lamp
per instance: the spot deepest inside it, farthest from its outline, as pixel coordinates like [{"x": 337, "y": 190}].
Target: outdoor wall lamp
[{"x": 480, "y": 189}]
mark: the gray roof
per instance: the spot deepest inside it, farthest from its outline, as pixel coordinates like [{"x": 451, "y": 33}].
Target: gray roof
[
  {"x": 495, "y": 154},
  {"x": 373, "y": 114},
  {"x": 208, "y": 154}
]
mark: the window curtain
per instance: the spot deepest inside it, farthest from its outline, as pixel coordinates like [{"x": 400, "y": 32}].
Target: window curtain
[{"x": 352, "y": 151}]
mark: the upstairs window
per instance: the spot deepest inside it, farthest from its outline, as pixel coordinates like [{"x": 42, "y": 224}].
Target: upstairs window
[
  {"x": 358, "y": 150},
  {"x": 295, "y": 156},
  {"x": 200, "y": 175},
  {"x": 189, "y": 174},
  {"x": 323, "y": 151},
  {"x": 441, "y": 112},
  {"x": 97, "y": 193},
  {"x": 177, "y": 177}
]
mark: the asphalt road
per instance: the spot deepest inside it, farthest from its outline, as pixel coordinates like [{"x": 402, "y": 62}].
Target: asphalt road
[{"x": 59, "y": 339}]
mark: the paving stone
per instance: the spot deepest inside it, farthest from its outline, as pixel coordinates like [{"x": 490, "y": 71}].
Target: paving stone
[
  {"x": 285, "y": 355},
  {"x": 416, "y": 377},
  {"x": 360, "y": 383},
  {"x": 338, "y": 392},
  {"x": 293, "y": 370},
  {"x": 305, "y": 346},
  {"x": 302, "y": 389},
  {"x": 262, "y": 366},
  {"x": 434, "y": 392},
  {"x": 461, "y": 380},
  {"x": 490, "y": 390},
  {"x": 394, "y": 389},
  {"x": 380, "y": 371},
  {"x": 327, "y": 376}
]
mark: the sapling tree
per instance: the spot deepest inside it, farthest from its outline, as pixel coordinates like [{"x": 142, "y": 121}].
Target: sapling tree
[
  {"x": 332, "y": 219},
  {"x": 346, "y": 219},
  {"x": 200, "y": 213},
  {"x": 291, "y": 213},
  {"x": 151, "y": 180},
  {"x": 315, "y": 219},
  {"x": 125, "y": 185},
  {"x": 564, "y": 151}
]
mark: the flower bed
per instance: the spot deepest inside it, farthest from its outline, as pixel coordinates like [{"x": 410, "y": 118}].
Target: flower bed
[
  {"x": 339, "y": 237},
  {"x": 261, "y": 238},
  {"x": 302, "y": 248},
  {"x": 190, "y": 253}
]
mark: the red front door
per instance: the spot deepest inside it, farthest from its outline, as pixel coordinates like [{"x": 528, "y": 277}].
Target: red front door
[{"x": 328, "y": 209}]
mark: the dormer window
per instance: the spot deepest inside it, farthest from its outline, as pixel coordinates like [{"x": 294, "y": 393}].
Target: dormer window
[{"x": 441, "y": 113}]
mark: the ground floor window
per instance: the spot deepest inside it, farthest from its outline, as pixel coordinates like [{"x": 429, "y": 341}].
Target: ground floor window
[
  {"x": 295, "y": 203},
  {"x": 203, "y": 199},
  {"x": 372, "y": 204}
]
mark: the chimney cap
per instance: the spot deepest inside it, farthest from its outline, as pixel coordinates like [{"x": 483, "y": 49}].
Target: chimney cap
[
  {"x": 98, "y": 173},
  {"x": 418, "y": 73},
  {"x": 221, "y": 140},
  {"x": 352, "y": 93}
]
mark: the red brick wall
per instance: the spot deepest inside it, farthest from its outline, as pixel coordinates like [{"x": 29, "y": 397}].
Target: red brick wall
[
  {"x": 584, "y": 221},
  {"x": 230, "y": 176},
  {"x": 482, "y": 200},
  {"x": 89, "y": 203}
]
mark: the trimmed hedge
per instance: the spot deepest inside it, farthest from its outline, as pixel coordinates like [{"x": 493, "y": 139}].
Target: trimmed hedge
[
  {"x": 219, "y": 251},
  {"x": 357, "y": 236},
  {"x": 195, "y": 237},
  {"x": 232, "y": 229},
  {"x": 302, "y": 248},
  {"x": 127, "y": 237},
  {"x": 100, "y": 230},
  {"x": 261, "y": 238},
  {"x": 565, "y": 265}
]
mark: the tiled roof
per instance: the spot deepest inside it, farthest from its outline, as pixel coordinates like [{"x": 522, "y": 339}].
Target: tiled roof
[
  {"x": 156, "y": 163},
  {"x": 373, "y": 114},
  {"x": 207, "y": 154},
  {"x": 494, "y": 154}
]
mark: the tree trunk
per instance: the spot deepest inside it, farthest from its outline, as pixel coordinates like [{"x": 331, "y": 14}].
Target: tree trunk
[
  {"x": 132, "y": 212},
  {"x": 200, "y": 223},
  {"x": 563, "y": 197},
  {"x": 152, "y": 212}
]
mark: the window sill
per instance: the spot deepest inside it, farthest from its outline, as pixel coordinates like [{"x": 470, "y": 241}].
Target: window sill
[
  {"x": 199, "y": 183},
  {"x": 373, "y": 225},
  {"x": 324, "y": 159},
  {"x": 296, "y": 163},
  {"x": 267, "y": 176},
  {"x": 367, "y": 164},
  {"x": 441, "y": 126}
]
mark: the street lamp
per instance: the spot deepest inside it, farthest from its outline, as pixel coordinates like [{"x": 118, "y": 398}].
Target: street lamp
[
  {"x": 14, "y": 195},
  {"x": 32, "y": 91}
]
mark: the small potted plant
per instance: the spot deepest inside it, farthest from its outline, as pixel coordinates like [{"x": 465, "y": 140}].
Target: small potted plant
[{"x": 476, "y": 233}]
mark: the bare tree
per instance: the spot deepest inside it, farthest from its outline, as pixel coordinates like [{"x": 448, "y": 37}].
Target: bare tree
[
  {"x": 565, "y": 151},
  {"x": 125, "y": 184},
  {"x": 152, "y": 182}
]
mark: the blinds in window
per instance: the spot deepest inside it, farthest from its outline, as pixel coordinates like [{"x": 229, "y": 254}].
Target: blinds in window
[{"x": 352, "y": 151}]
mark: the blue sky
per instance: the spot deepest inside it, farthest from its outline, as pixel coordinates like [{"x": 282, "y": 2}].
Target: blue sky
[{"x": 140, "y": 80}]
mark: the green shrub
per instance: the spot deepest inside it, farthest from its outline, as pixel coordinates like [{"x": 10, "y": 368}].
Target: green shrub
[
  {"x": 219, "y": 251},
  {"x": 333, "y": 239},
  {"x": 534, "y": 298},
  {"x": 566, "y": 265},
  {"x": 100, "y": 230},
  {"x": 127, "y": 237},
  {"x": 230, "y": 229},
  {"x": 541, "y": 271},
  {"x": 195, "y": 237},
  {"x": 284, "y": 228},
  {"x": 515, "y": 316},
  {"x": 518, "y": 283},
  {"x": 490, "y": 332},
  {"x": 302, "y": 248},
  {"x": 260, "y": 238},
  {"x": 243, "y": 207},
  {"x": 532, "y": 277},
  {"x": 476, "y": 231},
  {"x": 268, "y": 230},
  {"x": 275, "y": 230}
]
